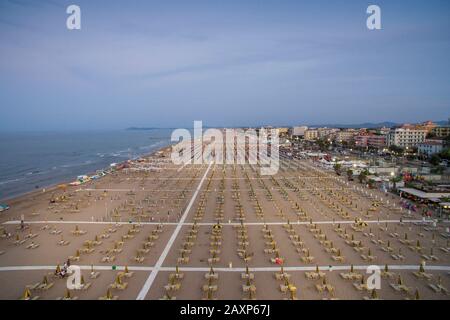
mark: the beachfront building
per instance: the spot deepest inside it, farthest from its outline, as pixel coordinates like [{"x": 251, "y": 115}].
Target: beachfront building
[
  {"x": 299, "y": 131},
  {"x": 370, "y": 140},
  {"x": 383, "y": 130},
  {"x": 430, "y": 147},
  {"x": 346, "y": 135},
  {"x": 283, "y": 131},
  {"x": 406, "y": 137},
  {"x": 311, "y": 134},
  {"x": 427, "y": 126}
]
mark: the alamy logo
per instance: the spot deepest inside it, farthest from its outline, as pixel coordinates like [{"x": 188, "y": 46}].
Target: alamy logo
[
  {"x": 374, "y": 280},
  {"x": 227, "y": 146},
  {"x": 74, "y": 279},
  {"x": 73, "y": 22},
  {"x": 374, "y": 20}
]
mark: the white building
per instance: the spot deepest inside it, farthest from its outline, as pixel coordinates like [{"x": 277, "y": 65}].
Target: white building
[
  {"x": 430, "y": 147},
  {"x": 326, "y": 132},
  {"x": 299, "y": 131},
  {"x": 346, "y": 135},
  {"x": 405, "y": 137}
]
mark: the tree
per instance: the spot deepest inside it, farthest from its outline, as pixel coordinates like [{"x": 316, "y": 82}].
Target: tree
[
  {"x": 447, "y": 141},
  {"x": 445, "y": 154},
  {"x": 395, "y": 180},
  {"x": 363, "y": 175},
  {"x": 435, "y": 159},
  {"x": 337, "y": 168},
  {"x": 323, "y": 144}
]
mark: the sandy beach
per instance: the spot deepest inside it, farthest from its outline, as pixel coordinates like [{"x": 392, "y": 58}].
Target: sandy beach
[{"x": 213, "y": 231}]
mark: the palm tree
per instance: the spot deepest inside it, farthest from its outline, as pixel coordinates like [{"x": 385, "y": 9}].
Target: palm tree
[
  {"x": 362, "y": 176},
  {"x": 349, "y": 174},
  {"x": 394, "y": 181},
  {"x": 337, "y": 168}
]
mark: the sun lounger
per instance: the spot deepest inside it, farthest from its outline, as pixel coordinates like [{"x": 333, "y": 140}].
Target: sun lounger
[
  {"x": 63, "y": 242},
  {"x": 270, "y": 250},
  {"x": 67, "y": 296},
  {"x": 368, "y": 257},
  {"x": 351, "y": 276},
  {"x": 78, "y": 232},
  {"x": 423, "y": 275},
  {"x": 172, "y": 286},
  {"x": 386, "y": 273},
  {"x": 394, "y": 234},
  {"x": 282, "y": 275},
  {"x": 168, "y": 297},
  {"x": 314, "y": 275},
  {"x": 44, "y": 286},
  {"x": 94, "y": 274},
  {"x": 213, "y": 260},
  {"x": 248, "y": 287},
  {"x": 361, "y": 285},
  {"x": 325, "y": 287},
  {"x": 19, "y": 242},
  {"x": 438, "y": 287},
  {"x": 87, "y": 250},
  {"x": 119, "y": 284},
  {"x": 55, "y": 232},
  {"x": 212, "y": 276},
  {"x": 209, "y": 287},
  {"x": 143, "y": 251},
  {"x": 177, "y": 276},
  {"x": 32, "y": 246},
  {"x": 139, "y": 259},
  {"x": 126, "y": 273},
  {"x": 183, "y": 260},
  {"x": 400, "y": 288},
  {"x": 247, "y": 275},
  {"x": 106, "y": 259},
  {"x": 338, "y": 258}
]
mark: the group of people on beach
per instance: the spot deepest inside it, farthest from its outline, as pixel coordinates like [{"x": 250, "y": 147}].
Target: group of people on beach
[{"x": 62, "y": 272}]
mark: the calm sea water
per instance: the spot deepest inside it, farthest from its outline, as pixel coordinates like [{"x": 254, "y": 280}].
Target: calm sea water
[{"x": 35, "y": 160}]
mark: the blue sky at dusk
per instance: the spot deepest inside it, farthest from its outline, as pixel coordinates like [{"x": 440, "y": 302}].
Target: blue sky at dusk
[{"x": 228, "y": 63}]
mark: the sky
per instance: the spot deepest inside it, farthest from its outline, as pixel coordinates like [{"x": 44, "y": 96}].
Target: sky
[{"x": 226, "y": 63}]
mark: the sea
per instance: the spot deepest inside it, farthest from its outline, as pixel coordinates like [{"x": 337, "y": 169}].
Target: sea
[{"x": 35, "y": 160}]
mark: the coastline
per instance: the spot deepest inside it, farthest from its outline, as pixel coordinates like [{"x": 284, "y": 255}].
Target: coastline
[{"x": 53, "y": 187}]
